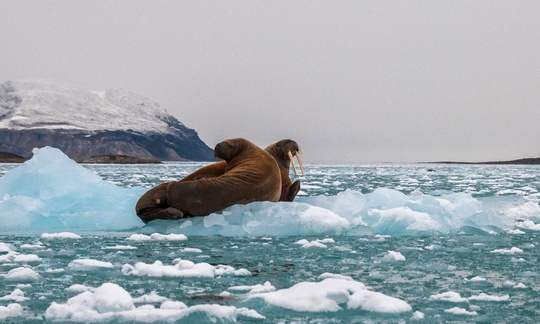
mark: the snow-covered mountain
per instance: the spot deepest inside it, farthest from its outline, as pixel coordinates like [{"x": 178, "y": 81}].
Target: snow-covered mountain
[{"x": 36, "y": 113}]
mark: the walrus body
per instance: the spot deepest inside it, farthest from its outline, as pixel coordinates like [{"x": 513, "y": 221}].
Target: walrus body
[
  {"x": 247, "y": 174},
  {"x": 279, "y": 151}
]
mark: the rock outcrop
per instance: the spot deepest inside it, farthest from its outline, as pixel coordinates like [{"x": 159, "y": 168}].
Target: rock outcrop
[{"x": 84, "y": 124}]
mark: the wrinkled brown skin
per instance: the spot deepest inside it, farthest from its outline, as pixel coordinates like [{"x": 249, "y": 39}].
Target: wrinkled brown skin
[
  {"x": 247, "y": 174},
  {"x": 153, "y": 205},
  {"x": 279, "y": 151}
]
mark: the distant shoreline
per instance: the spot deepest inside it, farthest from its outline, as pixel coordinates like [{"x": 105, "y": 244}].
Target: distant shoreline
[{"x": 525, "y": 161}]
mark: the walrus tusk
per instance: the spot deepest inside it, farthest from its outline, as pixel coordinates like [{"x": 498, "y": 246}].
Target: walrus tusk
[
  {"x": 292, "y": 163},
  {"x": 300, "y": 163}
]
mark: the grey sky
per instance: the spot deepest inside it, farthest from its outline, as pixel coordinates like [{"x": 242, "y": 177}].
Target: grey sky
[{"x": 350, "y": 81}]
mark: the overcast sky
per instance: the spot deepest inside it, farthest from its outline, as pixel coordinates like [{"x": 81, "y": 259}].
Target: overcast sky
[{"x": 350, "y": 81}]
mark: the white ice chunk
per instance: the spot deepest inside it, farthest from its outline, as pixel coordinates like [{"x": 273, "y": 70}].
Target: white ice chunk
[
  {"x": 89, "y": 264},
  {"x": 327, "y": 296}
]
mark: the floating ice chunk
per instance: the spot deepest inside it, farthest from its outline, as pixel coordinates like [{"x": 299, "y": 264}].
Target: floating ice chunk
[
  {"x": 191, "y": 250},
  {"x": 417, "y": 315},
  {"x": 112, "y": 303},
  {"x": 22, "y": 274},
  {"x": 11, "y": 310},
  {"x": 15, "y": 257},
  {"x": 449, "y": 296},
  {"x": 530, "y": 209},
  {"x": 485, "y": 297},
  {"x": 512, "y": 250},
  {"x": 327, "y": 296},
  {"x": 249, "y": 313},
  {"x": 5, "y": 247},
  {"x": 317, "y": 243},
  {"x": 89, "y": 264},
  {"x": 264, "y": 288},
  {"x": 168, "y": 237},
  {"x": 520, "y": 286},
  {"x": 460, "y": 311},
  {"x": 16, "y": 295},
  {"x": 221, "y": 270},
  {"x": 515, "y": 232},
  {"x": 157, "y": 237},
  {"x": 52, "y": 270},
  {"x": 52, "y": 192},
  {"x": 182, "y": 268},
  {"x": 475, "y": 279},
  {"x": 261, "y": 219},
  {"x": 119, "y": 247},
  {"x": 152, "y": 297},
  {"x": 61, "y": 235},
  {"x": 139, "y": 237},
  {"x": 78, "y": 288},
  {"x": 393, "y": 256},
  {"x": 37, "y": 246},
  {"x": 335, "y": 276},
  {"x": 314, "y": 244},
  {"x": 326, "y": 241},
  {"x": 170, "y": 304},
  {"x": 530, "y": 225}
]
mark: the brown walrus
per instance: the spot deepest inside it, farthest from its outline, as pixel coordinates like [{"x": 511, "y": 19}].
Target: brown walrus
[
  {"x": 282, "y": 151},
  {"x": 250, "y": 174}
]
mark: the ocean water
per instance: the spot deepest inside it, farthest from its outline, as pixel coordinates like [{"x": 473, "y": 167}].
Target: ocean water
[{"x": 361, "y": 243}]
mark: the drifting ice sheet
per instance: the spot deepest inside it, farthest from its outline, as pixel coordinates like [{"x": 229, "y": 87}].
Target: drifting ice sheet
[{"x": 52, "y": 192}]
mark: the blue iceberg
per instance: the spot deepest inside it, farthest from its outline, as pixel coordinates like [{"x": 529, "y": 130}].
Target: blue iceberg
[{"x": 52, "y": 192}]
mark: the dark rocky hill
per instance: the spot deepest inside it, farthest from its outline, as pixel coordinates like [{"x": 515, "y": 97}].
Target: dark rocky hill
[{"x": 84, "y": 124}]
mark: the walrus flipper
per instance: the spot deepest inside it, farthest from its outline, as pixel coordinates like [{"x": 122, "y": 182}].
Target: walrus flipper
[
  {"x": 153, "y": 205},
  {"x": 290, "y": 192}
]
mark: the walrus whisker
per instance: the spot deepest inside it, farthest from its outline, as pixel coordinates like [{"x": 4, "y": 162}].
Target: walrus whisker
[
  {"x": 300, "y": 163},
  {"x": 292, "y": 163}
]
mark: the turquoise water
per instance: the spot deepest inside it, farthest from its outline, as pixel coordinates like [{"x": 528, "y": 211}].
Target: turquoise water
[{"x": 484, "y": 271}]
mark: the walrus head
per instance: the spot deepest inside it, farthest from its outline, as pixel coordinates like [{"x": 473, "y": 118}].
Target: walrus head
[
  {"x": 230, "y": 148},
  {"x": 284, "y": 151}
]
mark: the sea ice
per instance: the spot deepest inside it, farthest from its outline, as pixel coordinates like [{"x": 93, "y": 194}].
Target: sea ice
[
  {"x": 16, "y": 295},
  {"x": 50, "y": 192},
  {"x": 112, "y": 303},
  {"x": 11, "y": 310},
  {"x": 152, "y": 297},
  {"x": 157, "y": 237},
  {"x": 460, "y": 311},
  {"x": 15, "y": 257},
  {"x": 486, "y": 297},
  {"x": 328, "y": 294},
  {"x": 182, "y": 268},
  {"x": 512, "y": 250},
  {"x": 450, "y": 296},
  {"x": 22, "y": 274},
  {"x": 393, "y": 256},
  {"x": 89, "y": 265},
  {"x": 4, "y": 247},
  {"x": 61, "y": 235}
]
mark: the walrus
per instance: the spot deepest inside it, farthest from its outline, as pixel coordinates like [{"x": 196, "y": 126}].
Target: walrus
[
  {"x": 250, "y": 174},
  {"x": 283, "y": 152}
]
